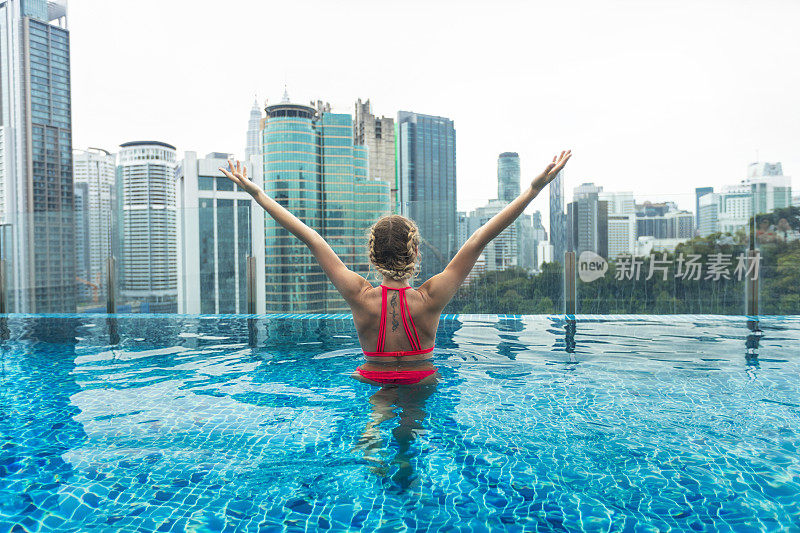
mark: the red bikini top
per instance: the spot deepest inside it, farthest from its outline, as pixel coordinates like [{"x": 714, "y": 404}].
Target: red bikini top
[{"x": 416, "y": 348}]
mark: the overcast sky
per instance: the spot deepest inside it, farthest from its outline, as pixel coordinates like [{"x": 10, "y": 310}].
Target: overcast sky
[{"x": 653, "y": 97}]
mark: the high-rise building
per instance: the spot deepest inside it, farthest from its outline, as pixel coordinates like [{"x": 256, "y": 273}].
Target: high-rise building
[
  {"x": 377, "y": 134},
  {"x": 769, "y": 188},
  {"x": 544, "y": 253},
  {"x": 95, "y": 176},
  {"x": 36, "y": 183},
  {"x": 621, "y": 234},
  {"x": 526, "y": 250},
  {"x": 621, "y": 222},
  {"x": 619, "y": 203},
  {"x": 663, "y": 221},
  {"x": 427, "y": 184},
  {"x": 253, "y": 146},
  {"x": 587, "y": 221},
  {"x": 501, "y": 252},
  {"x": 763, "y": 190},
  {"x": 312, "y": 167},
  {"x": 148, "y": 269},
  {"x": 219, "y": 226},
  {"x": 81, "y": 218},
  {"x": 727, "y": 211},
  {"x": 462, "y": 228},
  {"x": 699, "y": 192},
  {"x": 508, "y": 176},
  {"x": 508, "y": 188},
  {"x": 538, "y": 235},
  {"x": 558, "y": 219}
]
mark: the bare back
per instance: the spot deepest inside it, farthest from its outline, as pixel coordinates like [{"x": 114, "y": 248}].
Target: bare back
[{"x": 367, "y": 317}]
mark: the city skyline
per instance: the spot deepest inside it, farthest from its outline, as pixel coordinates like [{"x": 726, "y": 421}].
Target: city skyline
[{"x": 661, "y": 86}]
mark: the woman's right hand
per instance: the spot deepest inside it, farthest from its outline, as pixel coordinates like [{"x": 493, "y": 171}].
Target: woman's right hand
[
  {"x": 551, "y": 171},
  {"x": 238, "y": 175}
]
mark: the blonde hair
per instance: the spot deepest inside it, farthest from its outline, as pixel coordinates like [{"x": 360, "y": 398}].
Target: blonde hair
[{"x": 394, "y": 247}]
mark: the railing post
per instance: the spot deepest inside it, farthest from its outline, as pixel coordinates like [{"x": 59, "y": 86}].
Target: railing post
[
  {"x": 111, "y": 288},
  {"x": 251, "y": 285},
  {"x": 751, "y": 283},
  {"x": 569, "y": 283},
  {"x": 3, "y": 295}
]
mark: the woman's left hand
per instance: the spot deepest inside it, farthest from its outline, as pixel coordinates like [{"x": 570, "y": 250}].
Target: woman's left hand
[
  {"x": 238, "y": 175},
  {"x": 551, "y": 171}
]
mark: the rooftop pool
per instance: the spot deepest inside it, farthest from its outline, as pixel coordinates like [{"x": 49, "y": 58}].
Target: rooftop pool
[{"x": 200, "y": 424}]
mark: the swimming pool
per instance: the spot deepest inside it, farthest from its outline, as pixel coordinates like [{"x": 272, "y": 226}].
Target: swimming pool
[{"x": 171, "y": 423}]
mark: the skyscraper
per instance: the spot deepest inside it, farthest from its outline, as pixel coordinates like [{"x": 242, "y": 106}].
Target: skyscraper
[
  {"x": 253, "y": 147},
  {"x": 508, "y": 174},
  {"x": 148, "y": 269},
  {"x": 312, "y": 167},
  {"x": 377, "y": 134},
  {"x": 699, "y": 192},
  {"x": 219, "y": 226},
  {"x": 462, "y": 228},
  {"x": 81, "y": 217},
  {"x": 501, "y": 252},
  {"x": 769, "y": 187},
  {"x": 95, "y": 174},
  {"x": 36, "y": 184},
  {"x": 621, "y": 222},
  {"x": 508, "y": 188},
  {"x": 537, "y": 234},
  {"x": 427, "y": 184},
  {"x": 587, "y": 221},
  {"x": 558, "y": 220}
]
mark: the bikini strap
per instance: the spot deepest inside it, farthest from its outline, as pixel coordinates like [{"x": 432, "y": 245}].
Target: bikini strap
[
  {"x": 403, "y": 313},
  {"x": 411, "y": 321},
  {"x": 382, "y": 327}
]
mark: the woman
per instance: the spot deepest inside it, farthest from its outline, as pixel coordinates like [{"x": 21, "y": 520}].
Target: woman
[{"x": 397, "y": 347}]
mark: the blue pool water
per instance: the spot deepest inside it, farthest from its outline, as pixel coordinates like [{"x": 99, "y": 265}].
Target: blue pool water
[{"x": 171, "y": 423}]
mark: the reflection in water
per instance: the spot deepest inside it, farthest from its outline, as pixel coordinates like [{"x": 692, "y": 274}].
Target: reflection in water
[
  {"x": 510, "y": 328},
  {"x": 113, "y": 331},
  {"x": 569, "y": 338},
  {"x": 570, "y": 327},
  {"x": 751, "y": 348},
  {"x": 252, "y": 332},
  {"x": 408, "y": 405}
]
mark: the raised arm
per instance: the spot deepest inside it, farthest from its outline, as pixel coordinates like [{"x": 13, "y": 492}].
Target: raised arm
[
  {"x": 442, "y": 287},
  {"x": 348, "y": 283}
]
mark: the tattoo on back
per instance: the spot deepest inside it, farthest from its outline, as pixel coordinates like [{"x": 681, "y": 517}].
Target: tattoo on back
[{"x": 395, "y": 322}]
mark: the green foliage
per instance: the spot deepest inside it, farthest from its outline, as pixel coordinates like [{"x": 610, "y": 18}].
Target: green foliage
[
  {"x": 512, "y": 291},
  {"x": 516, "y": 291}
]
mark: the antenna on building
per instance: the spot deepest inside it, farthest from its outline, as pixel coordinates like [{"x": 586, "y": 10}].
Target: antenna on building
[{"x": 285, "y": 95}]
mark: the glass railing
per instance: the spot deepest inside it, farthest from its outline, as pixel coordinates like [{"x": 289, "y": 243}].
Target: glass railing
[{"x": 220, "y": 259}]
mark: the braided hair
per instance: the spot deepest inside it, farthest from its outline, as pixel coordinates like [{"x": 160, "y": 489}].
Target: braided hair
[{"x": 394, "y": 247}]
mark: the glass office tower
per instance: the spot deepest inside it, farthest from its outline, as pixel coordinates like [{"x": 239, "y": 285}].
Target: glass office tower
[
  {"x": 558, "y": 219},
  {"x": 427, "y": 172},
  {"x": 36, "y": 184},
  {"x": 95, "y": 175},
  {"x": 508, "y": 174},
  {"x": 292, "y": 176},
  {"x": 312, "y": 168},
  {"x": 219, "y": 225}
]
